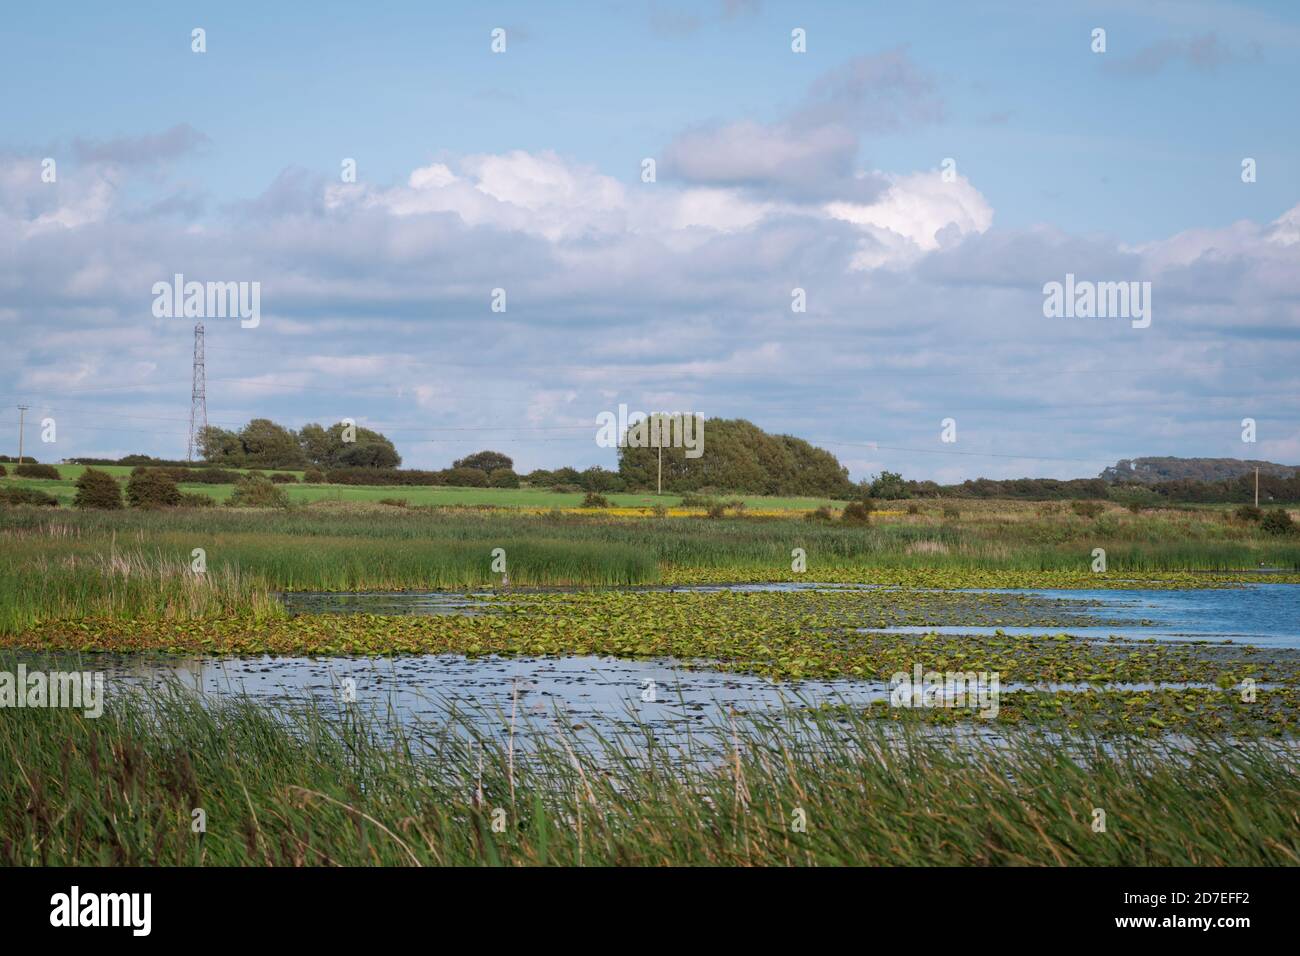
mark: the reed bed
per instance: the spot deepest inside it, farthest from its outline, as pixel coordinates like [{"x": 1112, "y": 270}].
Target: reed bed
[
  {"x": 136, "y": 564},
  {"x": 298, "y": 787}
]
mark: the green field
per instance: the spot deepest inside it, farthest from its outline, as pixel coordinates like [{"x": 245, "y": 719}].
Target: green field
[{"x": 436, "y": 495}]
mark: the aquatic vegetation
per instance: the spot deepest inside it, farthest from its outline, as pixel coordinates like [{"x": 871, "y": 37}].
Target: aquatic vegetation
[
  {"x": 798, "y": 788},
  {"x": 48, "y": 560},
  {"x": 772, "y": 634}
]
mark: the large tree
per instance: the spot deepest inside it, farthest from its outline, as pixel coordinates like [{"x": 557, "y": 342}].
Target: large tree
[
  {"x": 331, "y": 447},
  {"x": 740, "y": 456},
  {"x": 488, "y": 461}
]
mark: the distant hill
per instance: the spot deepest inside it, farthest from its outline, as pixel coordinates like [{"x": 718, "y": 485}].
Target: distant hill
[{"x": 1148, "y": 471}]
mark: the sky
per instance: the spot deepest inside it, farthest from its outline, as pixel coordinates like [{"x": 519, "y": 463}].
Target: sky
[{"x": 917, "y": 175}]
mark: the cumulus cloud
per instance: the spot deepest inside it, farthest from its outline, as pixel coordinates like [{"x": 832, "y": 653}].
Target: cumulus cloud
[
  {"x": 810, "y": 154},
  {"x": 150, "y": 149},
  {"x": 376, "y": 305}
]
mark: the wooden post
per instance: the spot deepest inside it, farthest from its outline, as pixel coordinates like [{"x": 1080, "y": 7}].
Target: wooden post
[{"x": 22, "y": 415}]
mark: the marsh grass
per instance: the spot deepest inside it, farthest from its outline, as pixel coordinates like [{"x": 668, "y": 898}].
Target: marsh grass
[
  {"x": 302, "y": 788},
  {"x": 135, "y": 563}
]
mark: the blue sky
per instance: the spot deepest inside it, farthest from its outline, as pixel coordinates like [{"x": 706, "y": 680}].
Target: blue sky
[{"x": 521, "y": 170}]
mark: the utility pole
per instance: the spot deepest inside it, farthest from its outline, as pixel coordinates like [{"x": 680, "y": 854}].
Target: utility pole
[
  {"x": 659, "y": 488},
  {"x": 1256, "y": 487},
  {"x": 22, "y": 415}
]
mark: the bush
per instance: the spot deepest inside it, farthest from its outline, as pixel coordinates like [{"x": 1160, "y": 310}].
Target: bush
[
  {"x": 659, "y": 511},
  {"x": 1086, "y": 509},
  {"x": 594, "y": 500},
  {"x": 503, "y": 478},
  {"x": 951, "y": 511},
  {"x": 257, "y": 491},
  {"x": 196, "y": 499},
  {"x": 820, "y": 514},
  {"x": 696, "y": 501},
  {"x": 466, "y": 477},
  {"x": 565, "y": 489},
  {"x": 97, "y": 489},
  {"x": 314, "y": 476},
  {"x": 857, "y": 512},
  {"x": 717, "y": 510},
  {"x": 914, "y": 509},
  {"x": 37, "y": 471},
  {"x": 394, "y": 502},
  {"x": 385, "y": 476},
  {"x": 1249, "y": 513},
  {"x": 28, "y": 496},
  {"x": 3, "y": 472},
  {"x": 1277, "y": 521},
  {"x": 889, "y": 485},
  {"x": 283, "y": 478},
  {"x": 152, "y": 488}
]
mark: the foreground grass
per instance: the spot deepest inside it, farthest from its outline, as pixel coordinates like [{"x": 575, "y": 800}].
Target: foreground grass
[{"x": 304, "y": 789}]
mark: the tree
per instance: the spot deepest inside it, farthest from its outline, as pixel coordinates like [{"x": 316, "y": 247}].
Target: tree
[
  {"x": 738, "y": 456},
  {"x": 219, "y": 446},
  {"x": 326, "y": 447},
  {"x": 97, "y": 489},
  {"x": 487, "y": 461},
  {"x": 151, "y": 488},
  {"x": 268, "y": 445},
  {"x": 889, "y": 486}
]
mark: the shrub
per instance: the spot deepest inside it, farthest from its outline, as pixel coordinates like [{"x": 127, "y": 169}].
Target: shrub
[
  {"x": 395, "y": 502},
  {"x": 3, "y": 472},
  {"x": 152, "y": 488},
  {"x": 717, "y": 510},
  {"x": 503, "y": 478},
  {"x": 28, "y": 496},
  {"x": 97, "y": 489},
  {"x": 820, "y": 514},
  {"x": 565, "y": 489},
  {"x": 385, "y": 476},
  {"x": 857, "y": 512},
  {"x": 594, "y": 500},
  {"x": 1277, "y": 521},
  {"x": 914, "y": 509},
  {"x": 37, "y": 471},
  {"x": 696, "y": 501},
  {"x": 257, "y": 491},
  {"x": 1249, "y": 513},
  {"x": 314, "y": 476},
  {"x": 659, "y": 511},
  {"x": 1086, "y": 509},
  {"x": 196, "y": 499},
  {"x": 466, "y": 477},
  {"x": 951, "y": 511},
  {"x": 889, "y": 485},
  {"x": 284, "y": 478}
]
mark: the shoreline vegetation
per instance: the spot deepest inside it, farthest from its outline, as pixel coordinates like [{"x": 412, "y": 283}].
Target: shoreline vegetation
[
  {"x": 138, "y": 563},
  {"x": 795, "y": 788}
]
